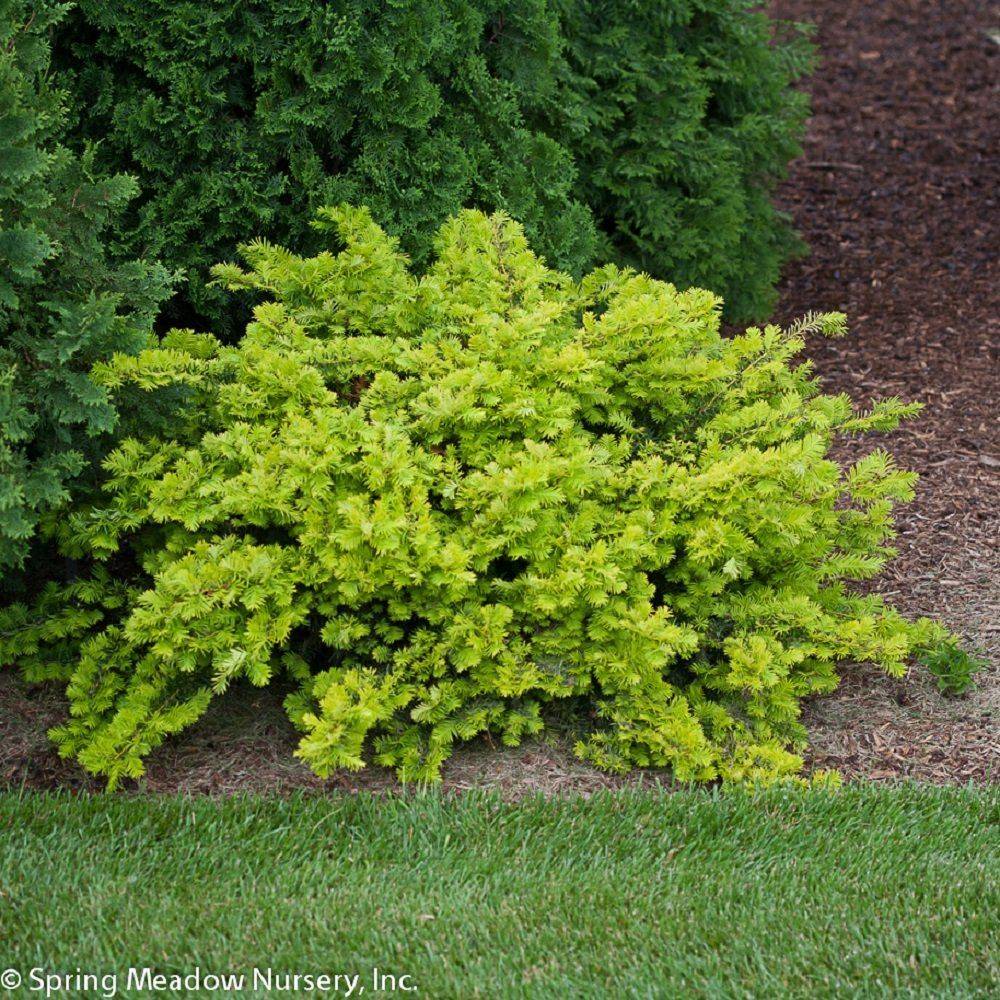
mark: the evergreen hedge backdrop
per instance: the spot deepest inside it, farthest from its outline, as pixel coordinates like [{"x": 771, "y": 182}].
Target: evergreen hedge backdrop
[
  {"x": 63, "y": 303},
  {"x": 645, "y": 133}
]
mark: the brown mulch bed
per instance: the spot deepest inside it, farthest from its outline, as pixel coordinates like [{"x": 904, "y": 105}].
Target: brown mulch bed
[
  {"x": 897, "y": 197},
  {"x": 245, "y": 744}
]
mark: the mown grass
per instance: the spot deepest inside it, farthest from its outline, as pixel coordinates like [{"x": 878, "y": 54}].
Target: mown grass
[{"x": 866, "y": 892}]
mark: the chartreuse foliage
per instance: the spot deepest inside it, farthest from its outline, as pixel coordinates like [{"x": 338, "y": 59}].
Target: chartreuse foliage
[
  {"x": 646, "y": 133},
  {"x": 442, "y": 503},
  {"x": 63, "y": 305}
]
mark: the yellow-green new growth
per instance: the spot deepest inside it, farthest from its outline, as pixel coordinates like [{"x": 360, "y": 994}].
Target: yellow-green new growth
[{"x": 444, "y": 503}]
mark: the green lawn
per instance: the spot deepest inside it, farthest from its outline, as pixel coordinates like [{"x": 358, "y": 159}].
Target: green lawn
[{"x": 866, "y": 892}]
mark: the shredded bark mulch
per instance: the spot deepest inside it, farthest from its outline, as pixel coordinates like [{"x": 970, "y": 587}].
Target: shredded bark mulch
[{"x": 896, "y": 196}]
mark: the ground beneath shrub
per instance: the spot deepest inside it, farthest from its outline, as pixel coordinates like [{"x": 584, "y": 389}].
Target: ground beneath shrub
[{"x": 897, "y": 197}]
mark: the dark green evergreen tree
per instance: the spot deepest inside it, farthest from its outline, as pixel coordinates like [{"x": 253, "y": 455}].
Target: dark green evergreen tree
[
  {"x": 681, "y": 117},
  {"x": 666, "y": 123},
  {"x": 63, "y": 305},
  {"x": 242, "y": 119}
]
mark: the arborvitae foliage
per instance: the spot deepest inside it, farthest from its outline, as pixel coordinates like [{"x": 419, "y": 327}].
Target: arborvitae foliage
[
  {"x": 242, "y": 119},
  {"x": 666, "y": 122},
  {"x": 442, "y": 503},
  {"x": 62, "y": 305},
  {"x": 681, "y": 117}
]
